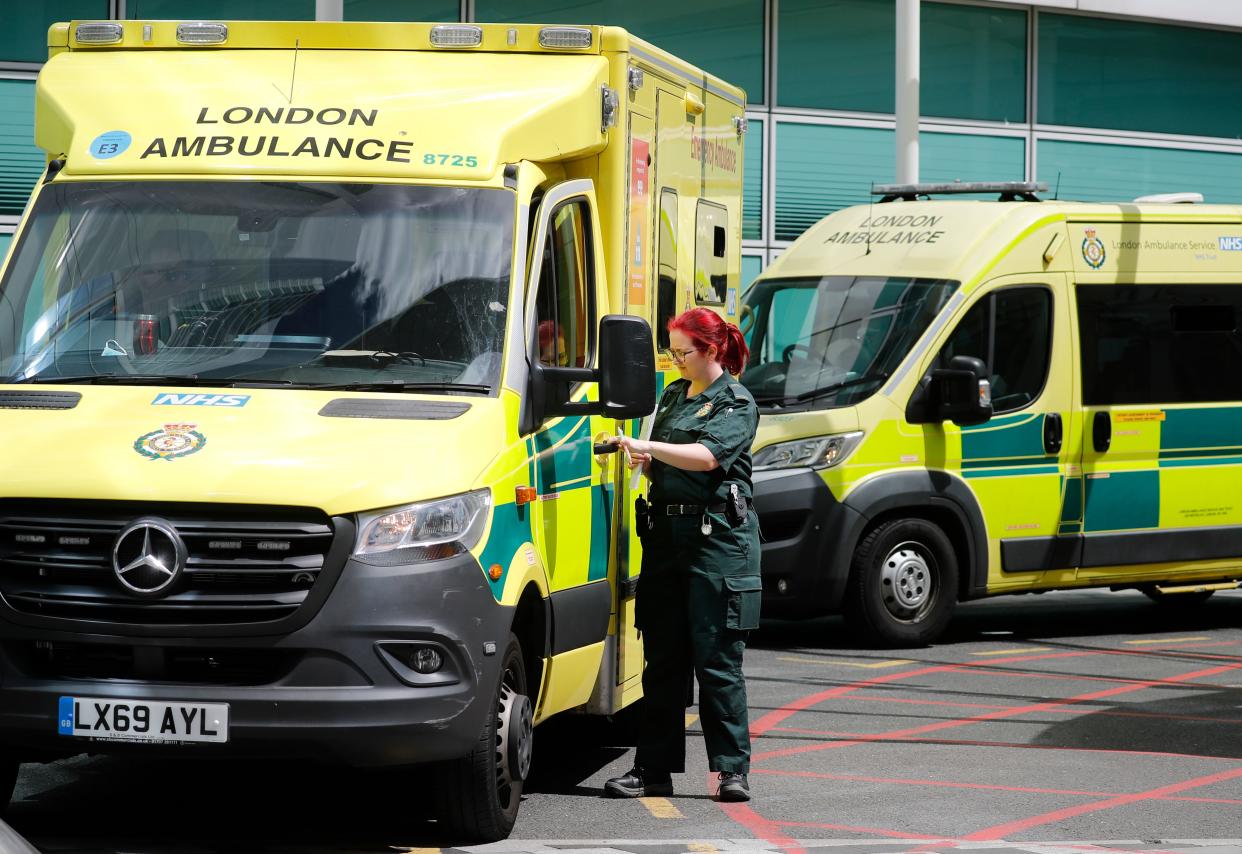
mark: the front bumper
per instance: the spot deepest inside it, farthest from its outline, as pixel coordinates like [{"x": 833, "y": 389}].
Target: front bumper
[
  {"x": 326, "y": 690},
  {"x": 807, "y": 540}
]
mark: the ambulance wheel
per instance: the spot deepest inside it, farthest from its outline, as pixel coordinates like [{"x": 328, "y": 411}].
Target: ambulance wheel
[
  {"x": 1177, "y": 600},
  {"x": 903, "y": 583},
  {"x": 478, "y": 795}
]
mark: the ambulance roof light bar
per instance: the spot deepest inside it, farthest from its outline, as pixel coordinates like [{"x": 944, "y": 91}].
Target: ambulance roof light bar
[
  {"x": 202, "y": 32},
  {"x": 98, "y": 32},
  {"x": 1009, "y": 191},
  {"x": 565, "y": 38},
  {"x": 456, "y": 35}
]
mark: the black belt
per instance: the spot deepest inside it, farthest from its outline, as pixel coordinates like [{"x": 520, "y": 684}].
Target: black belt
[{"x": 690, "y": 509}]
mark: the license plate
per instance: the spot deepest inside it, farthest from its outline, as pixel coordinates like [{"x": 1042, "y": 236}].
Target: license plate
[{"x": 143, "y": 720}]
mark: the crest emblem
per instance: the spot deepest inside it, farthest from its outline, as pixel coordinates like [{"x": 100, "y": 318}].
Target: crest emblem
[
  {"x": 175, "y": 440},
  {"x": 704, "y": 410},
  {"x": 1093, "y": 250}
]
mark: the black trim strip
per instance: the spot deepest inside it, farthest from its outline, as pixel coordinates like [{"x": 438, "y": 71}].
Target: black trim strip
[
  {"x": 411, "y": 410},
  {"x": 39, "y": 399},
  {"x": 1130, "y": 548},
  {"x": 580, "y": 616},
  {"x": 1034, "y": 554}
]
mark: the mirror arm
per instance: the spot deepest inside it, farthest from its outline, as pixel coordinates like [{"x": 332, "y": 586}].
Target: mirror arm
[
  {"x": 572, "y": 375},
  {"x": 583, "y": 408}
]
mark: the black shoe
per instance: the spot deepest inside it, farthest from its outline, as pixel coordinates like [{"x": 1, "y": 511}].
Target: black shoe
[
  {"x": 733, "y": 787},
  {"x": 639, "y": 783}
]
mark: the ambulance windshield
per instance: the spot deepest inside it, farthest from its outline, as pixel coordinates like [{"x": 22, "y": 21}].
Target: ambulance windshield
[
  {"x": 832, "y": 341},
  {"x": 382, "y": 286}
]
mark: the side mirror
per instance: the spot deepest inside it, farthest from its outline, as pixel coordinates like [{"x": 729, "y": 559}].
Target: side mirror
[
  {"x": 962, "y": 392},
  {"x": 626, "y": 377},
  {"x": 627, "y": 385}
]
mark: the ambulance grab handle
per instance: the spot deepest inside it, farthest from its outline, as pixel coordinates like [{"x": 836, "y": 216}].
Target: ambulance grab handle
[{"x": 1101, "y": 432}]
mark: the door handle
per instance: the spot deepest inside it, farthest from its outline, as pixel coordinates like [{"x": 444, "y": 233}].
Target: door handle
[
  {"x": 1101, "y": 432},
  {"x": 1052, "y": 433}
]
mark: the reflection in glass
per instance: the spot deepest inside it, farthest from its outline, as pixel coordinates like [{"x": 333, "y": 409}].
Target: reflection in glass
[
  {"x": 287, "y": 283},
  {"x": 833, "y": 340}
]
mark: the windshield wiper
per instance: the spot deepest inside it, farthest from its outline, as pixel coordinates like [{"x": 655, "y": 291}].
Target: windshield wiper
[
  {"x": 399, "y": 385},
  {"x": 380, "y": 358},
  {"x": 829, "y": 389},
  {"x": 120, "y": 379},
  {"x": 820, "y": 392}
]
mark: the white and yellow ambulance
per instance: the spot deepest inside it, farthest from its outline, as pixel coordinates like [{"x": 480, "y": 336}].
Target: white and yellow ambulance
[
  {"x": 969, "y": 398},
  {"x": 311, "y": 342}
]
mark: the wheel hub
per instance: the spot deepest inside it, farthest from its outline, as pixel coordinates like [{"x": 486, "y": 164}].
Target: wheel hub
[
  {"x": 515, "y": 735},
  {"x": 907, "y": 578}
]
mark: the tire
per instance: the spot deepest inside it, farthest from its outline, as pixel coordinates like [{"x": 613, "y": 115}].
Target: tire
[
  {"x": 1177, "y": 601},
  {"x": 903, "y": 583},
  {"x": 477, "y": 796}
]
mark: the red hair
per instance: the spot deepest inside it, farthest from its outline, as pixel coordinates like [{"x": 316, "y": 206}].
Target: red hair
[{"x": 704, "y": 327}]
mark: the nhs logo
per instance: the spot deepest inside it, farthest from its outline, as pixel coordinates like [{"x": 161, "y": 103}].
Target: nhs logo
[
  {"x": 169, "y": 399},
  {"x": 1230, "y": 244}
]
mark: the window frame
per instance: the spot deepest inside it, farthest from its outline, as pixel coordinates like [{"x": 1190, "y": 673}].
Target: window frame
[
  {"x": 1154, "y": 399},
  {"x": 702, "y": 205},
  {"x": 544, "y": 228},
  {"x": 989, "y": 294},
  {"x": 661, "y": 325}
]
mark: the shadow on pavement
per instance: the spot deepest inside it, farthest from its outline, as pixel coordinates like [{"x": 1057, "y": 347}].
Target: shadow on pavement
[
  {"x": 142, "y": 805},
  {"x": 145, "y": 805},
  {"x": 1202, "y": 723}
]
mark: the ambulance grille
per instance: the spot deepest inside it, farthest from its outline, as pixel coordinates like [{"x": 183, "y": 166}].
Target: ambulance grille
[{"x": 245, "y": 564}]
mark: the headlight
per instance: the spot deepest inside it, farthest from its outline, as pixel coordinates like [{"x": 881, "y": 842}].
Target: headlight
[
  {"x": 430, "y": 530},
  {"x": 817, "y": 452}
]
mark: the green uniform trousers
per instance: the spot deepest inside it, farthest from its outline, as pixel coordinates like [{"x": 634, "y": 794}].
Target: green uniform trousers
[{"x": 698, "y": 596}]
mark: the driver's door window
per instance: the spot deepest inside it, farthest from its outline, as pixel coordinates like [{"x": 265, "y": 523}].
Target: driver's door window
[
  {"x": 563, "y": 305},
  {"x": 1010, "y": 330}
]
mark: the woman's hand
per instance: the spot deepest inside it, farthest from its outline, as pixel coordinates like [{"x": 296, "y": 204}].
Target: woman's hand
[{"x": 637, "y": 452}]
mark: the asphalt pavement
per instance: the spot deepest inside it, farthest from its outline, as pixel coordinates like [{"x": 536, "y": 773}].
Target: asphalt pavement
[{"x": 1084, "y": 721}]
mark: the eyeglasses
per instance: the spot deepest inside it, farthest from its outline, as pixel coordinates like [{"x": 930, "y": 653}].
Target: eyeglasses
[{"x": 678, "y": 356}]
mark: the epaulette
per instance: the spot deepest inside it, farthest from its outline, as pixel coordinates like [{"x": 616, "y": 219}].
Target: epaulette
[{"x": 740, "y": 392}]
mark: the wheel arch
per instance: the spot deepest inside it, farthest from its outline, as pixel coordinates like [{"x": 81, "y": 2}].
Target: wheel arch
[
  {"x": 936, "y": 497},
  {"x": 531, "y": 628}
]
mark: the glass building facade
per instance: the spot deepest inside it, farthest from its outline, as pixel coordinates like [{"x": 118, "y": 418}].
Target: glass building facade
[{"x": 1099, "y": 107}]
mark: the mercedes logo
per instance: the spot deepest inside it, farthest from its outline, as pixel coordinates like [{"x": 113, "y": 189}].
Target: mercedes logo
[{"x": 148, "y": 557}]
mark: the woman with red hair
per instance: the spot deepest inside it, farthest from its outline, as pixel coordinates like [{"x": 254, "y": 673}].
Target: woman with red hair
[{"x": 699, "y": 591}]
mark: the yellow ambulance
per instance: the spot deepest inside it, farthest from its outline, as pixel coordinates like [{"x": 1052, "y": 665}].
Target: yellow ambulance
[
  {"x": 312, "y": 340},
  {"x": 964, "y": 398}
]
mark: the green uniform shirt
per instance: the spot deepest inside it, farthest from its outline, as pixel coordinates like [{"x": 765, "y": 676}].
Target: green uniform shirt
[{"x": 722, "y": 418}]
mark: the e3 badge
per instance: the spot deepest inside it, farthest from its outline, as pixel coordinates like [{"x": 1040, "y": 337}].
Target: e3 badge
[
  {"x": 175, "y": 440},
  {"x": 1093, "y": 250}
]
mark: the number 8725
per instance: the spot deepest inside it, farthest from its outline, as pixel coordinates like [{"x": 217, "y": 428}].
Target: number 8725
[{"x": 451, "y": 160}]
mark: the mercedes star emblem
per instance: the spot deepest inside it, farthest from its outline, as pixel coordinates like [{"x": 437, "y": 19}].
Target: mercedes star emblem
[{"x": 149, "y": 557}]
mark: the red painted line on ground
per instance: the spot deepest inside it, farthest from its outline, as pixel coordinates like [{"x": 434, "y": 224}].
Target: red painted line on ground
[
  {"x": 1000, "y": 831},
  {"x": 882, "y": 699},
  {"x": 946, "y": 784},
  {"x": 776, "y": 716},
  {"x": 966, "y": 742},
  {"x": 994, "y": 715},
  {"x": 870, "y": 698},
  {"x": 951, "y": 784},
  {"x": 760, "y": 827},
  {"x": 876, "y": 831},
  {"x": 768, "y": 830}
]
